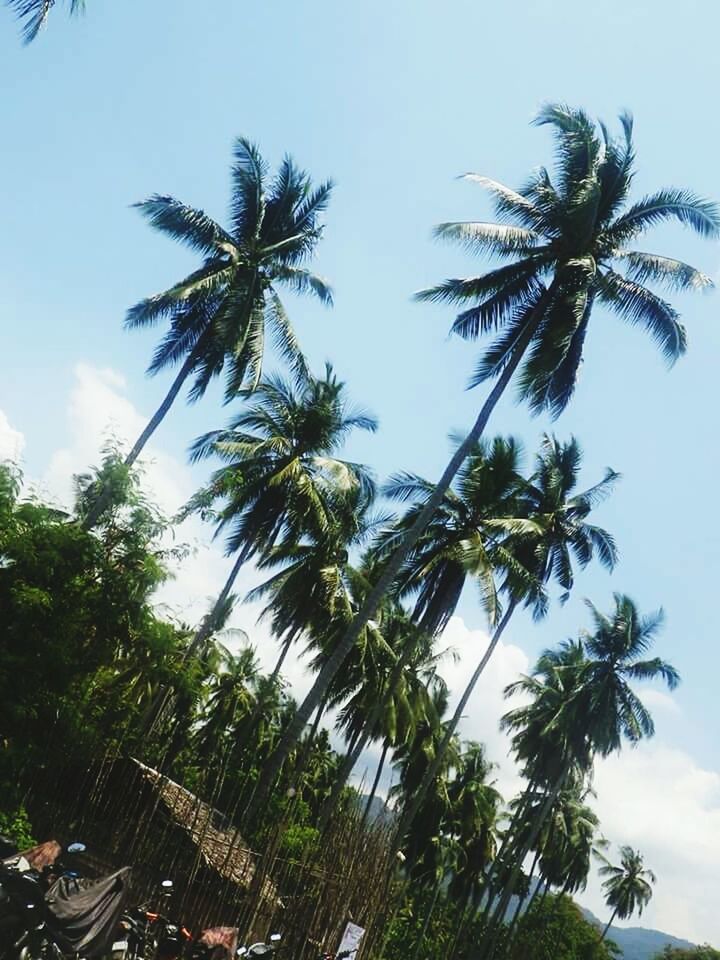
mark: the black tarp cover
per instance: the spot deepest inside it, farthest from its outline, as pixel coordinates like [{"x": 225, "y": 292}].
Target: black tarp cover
[{"x": 86, "y": 912}]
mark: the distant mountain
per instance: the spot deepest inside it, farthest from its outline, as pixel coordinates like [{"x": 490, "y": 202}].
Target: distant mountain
[{"x": 637, "y": 943}]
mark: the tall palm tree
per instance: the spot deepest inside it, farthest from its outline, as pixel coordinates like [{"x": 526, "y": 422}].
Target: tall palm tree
[
  {"x": 280, "y": 477},
  {"x": 581, "y": 705},
  {"x": 221, "y": 315},
  {"x": 550, "y": 531},
  {"x": 565, "y": 240},
  {"x": 34, "y": 14},
  {"x": 628, "y": 888}
]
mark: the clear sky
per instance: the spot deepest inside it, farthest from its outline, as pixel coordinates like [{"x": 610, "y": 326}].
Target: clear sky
[{"x": 393, "y": 100}]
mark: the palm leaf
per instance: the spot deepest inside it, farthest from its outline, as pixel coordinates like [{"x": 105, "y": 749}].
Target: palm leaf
[
  {"x": 186, "y": 224},
  {"x": 639, "y": 305}
]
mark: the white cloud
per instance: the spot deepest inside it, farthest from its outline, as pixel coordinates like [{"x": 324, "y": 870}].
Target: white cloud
[
  {"x": 99, "y": 409},
  {"x": 487, "y": 704},
  {"x": 661, "y": 801},
  {"x": 12, "y": 442},
  {"x": 656, "y": 798}
]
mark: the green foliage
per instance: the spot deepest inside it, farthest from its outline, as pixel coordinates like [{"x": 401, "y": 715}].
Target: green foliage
[
  {"x": 298, "y": 840},
  {"x": 557, "y": 930},
  {"x": 15, "y": 824}
]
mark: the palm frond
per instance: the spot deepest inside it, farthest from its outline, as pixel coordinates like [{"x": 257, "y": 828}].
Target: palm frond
[
  {"x": 509, "y": 204},
  {"x": 248, "y": 173},
  {"x": 496, "y": 238},
  {"x": 34, "y": 14},
  {"x": 684, "y": 206},
  {"x": 639, "y": 305},
  {"x": 286, "y": 342},
  {"x": 303, "y": 281},
  {"x": 187, "y": 225},
  {"x": 674, "y": 274}
]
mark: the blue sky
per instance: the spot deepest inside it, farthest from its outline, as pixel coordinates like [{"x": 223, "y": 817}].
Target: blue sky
[{"x": 392, "y": 100}]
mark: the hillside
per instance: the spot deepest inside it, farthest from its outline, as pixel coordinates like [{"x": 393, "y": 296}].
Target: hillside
[{"x": 637, "y": 943}]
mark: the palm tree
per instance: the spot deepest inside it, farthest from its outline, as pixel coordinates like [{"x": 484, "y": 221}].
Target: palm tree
[
  {"x": 628, "y": 888},
  {"x": 467, "y": 538},
  {"x": 229, "y": 700},
  {"x": 280, "y": 477},
  {"x": 222, "y": 314},
  {"x": 581, "y": 706},
  {"x": 34, "y": 13},
  {"x": 549, "y": 532},
  {"x": 566, "y": 239}
]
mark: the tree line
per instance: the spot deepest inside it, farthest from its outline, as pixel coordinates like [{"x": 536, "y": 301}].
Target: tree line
[{"x": 366, "y": 594}]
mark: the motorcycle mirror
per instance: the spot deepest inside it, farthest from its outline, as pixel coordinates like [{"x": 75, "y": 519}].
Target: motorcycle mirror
[
  {"x": 167, "y": 884},
  {"x": 275, "y": 937},
  {"x": 77, "y": 848}
]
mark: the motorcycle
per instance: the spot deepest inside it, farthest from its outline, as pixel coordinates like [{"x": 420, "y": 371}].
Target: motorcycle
[
  {"x": 48, "y": 912},
  {"x": 146, "y": 934},
  {"x": 260, "y": 949}
]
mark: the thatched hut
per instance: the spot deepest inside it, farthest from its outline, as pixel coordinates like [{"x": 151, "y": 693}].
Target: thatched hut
[{"x": 135, "y": 815}]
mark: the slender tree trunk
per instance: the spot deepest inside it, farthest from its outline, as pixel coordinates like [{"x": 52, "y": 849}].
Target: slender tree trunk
[
  {"x": 209, "y": 623},
  {"x": 512, "y": 930},
  {"x": 104, "y": 495},
  {"x": 499, "y": 913},
  {"x": 496, "y": 921},
  {"x": 506, "y": 844},
  {"x": 608, "y": 925},
  {"x": 428, "y": 918},
  {"x": 367, "y": 610},
  {"x": 378, "y": 774},
  {"x": 464, "y": 917},
  {"x": 429, "y": 777},
  {"x": 357, "y": 745}
]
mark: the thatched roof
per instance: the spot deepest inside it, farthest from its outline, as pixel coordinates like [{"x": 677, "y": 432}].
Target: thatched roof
[{"x": 220, "y": 845}]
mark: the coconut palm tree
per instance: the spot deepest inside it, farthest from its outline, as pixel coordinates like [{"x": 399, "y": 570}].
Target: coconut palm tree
[
  {"x": 549, "y": 532},
  {"x": 581, "y": 705},
  {"x": 280, "y": 476},
  {"x": 568, "y": 241},
  {"x": 222, "y": 314},
  {"x": 467, "y": 538},
  {"x": 628, "y": 888},
  {"x": 34, "y": 13}
]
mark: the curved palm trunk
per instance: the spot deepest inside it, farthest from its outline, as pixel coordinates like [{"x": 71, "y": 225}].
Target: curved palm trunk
[
  {"x": 608, "y": 925},
  {"x": 103, "y": 498},
  {"x": 378, "y": 774},
  {"x": 209, "y": 623},
  {"x": 372, "y": 601},
  {"x": 501, "y": 908},
  {"x": 419, "y": 795},
  {"x": 513, "y": 929},
  {"x": 507, "y": 843},
  {"x": 359, "y": 743},
  {"x": 428, "y": 918}
]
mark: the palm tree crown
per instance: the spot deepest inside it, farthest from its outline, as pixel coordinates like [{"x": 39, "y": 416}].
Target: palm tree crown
[
  {"x": 280, "y": 481},
  {"x": 228, "y": 304},
  {"x": 628, "y": 888},
  {"x": 567, "y": 237}
]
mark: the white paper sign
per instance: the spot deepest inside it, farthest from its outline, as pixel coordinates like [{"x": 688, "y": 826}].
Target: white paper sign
[{"x": 350, "y": 943}]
